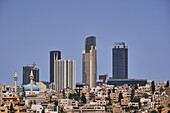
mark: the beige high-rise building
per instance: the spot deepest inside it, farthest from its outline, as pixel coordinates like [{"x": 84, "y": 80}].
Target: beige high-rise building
[
  {"x": 89, "y": 61},
  {"x": 65, "y": 74}
]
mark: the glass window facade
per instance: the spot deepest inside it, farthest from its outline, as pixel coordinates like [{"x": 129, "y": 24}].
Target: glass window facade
[{"x": 120, "y": 62}]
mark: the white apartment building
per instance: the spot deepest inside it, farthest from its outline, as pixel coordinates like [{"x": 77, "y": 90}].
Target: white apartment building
[{"x": 65, "y": 74}]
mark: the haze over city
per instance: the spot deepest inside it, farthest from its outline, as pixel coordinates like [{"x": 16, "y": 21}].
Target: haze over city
[{"x": 29, "y": 30}]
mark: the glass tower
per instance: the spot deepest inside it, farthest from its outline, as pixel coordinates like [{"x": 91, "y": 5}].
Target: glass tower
[
  {"x": 120, "y": 61},
  {"x": 54, "y": 55}
]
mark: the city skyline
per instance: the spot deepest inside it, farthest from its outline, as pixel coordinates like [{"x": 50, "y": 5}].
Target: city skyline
[{"x": 29, "y": 34}]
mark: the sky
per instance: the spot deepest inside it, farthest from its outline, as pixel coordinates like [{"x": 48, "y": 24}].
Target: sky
[{"x": 30, "y": 29}]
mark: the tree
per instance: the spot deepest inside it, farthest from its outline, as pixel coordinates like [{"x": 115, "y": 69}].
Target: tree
[
  {"x": 153, "y": 87},
  {"x": 31, "y": 102},
  {"x": 153, "y": 111},
  {"x": 135, "y": 99},
  {"x": 132, "y": 94},
  {"x": 132, "y": 85},
  {"x": 120, "y": 97},
  {"x": 83, "y": 98},
  {"x": 50, "y": 99},
  {"x": 61, "y": 110},
  {"x": 106, "y": 108},
  {"x": 136, "y": 86},
  {"x": 109, "y": 101},
  {"x": 56, "y": 103},
  {"x": 43, "y": 111},
  {"x": 109, "y": 91},
  {"x": 160, "y": 108},
  {"x": 167, "y": 83},
  {"x": 63, "y": 93},
  {"x": 11, "y": 109},
  {"x": 139, "y": 104},
  {"x": 145, "y": 95},
  {"x": 34, "y": 102},
  {"x": 79, "y": 92},
  {"x": 161, "y": 89},
  {"x": 135, "y": 111},
  {"x": 113, "y": 90}
]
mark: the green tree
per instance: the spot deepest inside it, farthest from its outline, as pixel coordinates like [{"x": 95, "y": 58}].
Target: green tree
[
  {"x": 11, "y": 109},
  {"x": 61, "y": 110},
  {"x": 43, "y": 111},
  {"x": 70, "y": 96},
  {"x": 127, "y": 109},
  {"x": 34, "y": 102},
  {"x": 106, "y": 108},
  {"x": 79, "y": 92},
  {"x": 132, "y": 85},
  {"x": 63, "y": 93},
  {"x": 120, "y": 97},
  {"x": 139, "y": 104},
  {"x": 50, "y": 99},
  {"x": 136, "y": 99},
  {"x": 160, "y": 108},
  {"x": 168, "y": 111},
  {"x": 145, "y": 95},
  {"x": 135, "y": 111},
  {"x": 109, "y": 91},
  {"x": 31, "y": 102},
  {"x": 136, "y": 86},
  {"x": 110, "y": 103},
  {"x": 153, "y": 87},
  {"x": 153, "y": 111},
  {"x": 167, "y": 83},
  {"x": 161, "y": 89},
  {"x": 113, "y": 90},
  {"x": 83, "y": 98},
  {"x": 56, "y": 103},
  {"x": 132, "y": 94}
]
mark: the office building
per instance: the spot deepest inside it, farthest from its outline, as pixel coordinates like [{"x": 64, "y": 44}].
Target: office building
[
  {"x": 121, "y": 82},
  {"x": 54, "y": 55},
  {"x": 89, "y": 62},
  {"x": 65, "y": 74},
  {"x": 26, "y": 74},
  {"x": 120, "y": 61}
]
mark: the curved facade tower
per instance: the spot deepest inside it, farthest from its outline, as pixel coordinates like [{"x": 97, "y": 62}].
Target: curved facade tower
[
  {"x": 54, "y": 55},
  {"x": 89, "y": 62}
]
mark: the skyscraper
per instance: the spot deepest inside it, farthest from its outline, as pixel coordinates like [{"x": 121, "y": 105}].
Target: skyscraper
[
  {"x": 65, "y": 74},
  {"x": 26, "y": 73},
  {"x": 89, "y": 62},
  {"x": 54, "y": 55},
  {"x": 120, "y": 61}
]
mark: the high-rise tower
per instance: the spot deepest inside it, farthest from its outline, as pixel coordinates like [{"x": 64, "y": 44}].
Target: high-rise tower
[
  {"x": 120, "y": 61},
  {"x": 89, "y": 62},
  {"x": 54, "y": 55},
  {"x": 26, "y": 74},
  {"x": 65, "y": 74}
]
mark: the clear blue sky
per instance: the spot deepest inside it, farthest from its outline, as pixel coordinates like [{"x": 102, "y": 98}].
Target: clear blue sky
[{"x": 29, "y": 29}]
